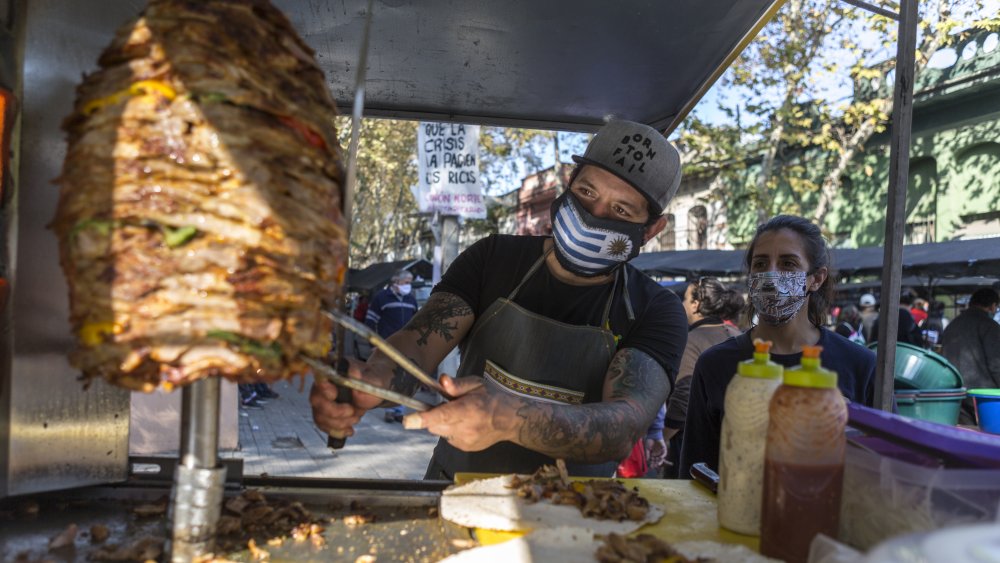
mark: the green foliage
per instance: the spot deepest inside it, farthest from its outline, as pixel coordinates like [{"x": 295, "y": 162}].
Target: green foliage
[
  {"x": 790, "y": 145},
  {"x": 385, "y": 215}
]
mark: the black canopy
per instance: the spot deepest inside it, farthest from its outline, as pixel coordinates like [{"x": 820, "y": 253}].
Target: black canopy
[
  {"x": 959, "y": 258},
  {"x": 378, "y": 275}
]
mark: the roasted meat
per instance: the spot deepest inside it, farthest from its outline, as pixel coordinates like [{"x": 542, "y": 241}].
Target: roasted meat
[
  {"x": 602, "y": 499},
  {"x": 199, "y": 220}
]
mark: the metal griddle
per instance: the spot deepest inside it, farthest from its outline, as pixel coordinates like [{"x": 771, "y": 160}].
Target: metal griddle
[{"x": 405, "y": 525}]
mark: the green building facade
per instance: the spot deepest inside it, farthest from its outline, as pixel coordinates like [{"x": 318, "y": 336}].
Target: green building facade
[{"x": 953, "y": 190}]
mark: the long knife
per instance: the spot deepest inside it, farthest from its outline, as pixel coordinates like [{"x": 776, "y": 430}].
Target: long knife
[
  {"x": 388, "y": 350},
  {"x": 322, "y": 370}
]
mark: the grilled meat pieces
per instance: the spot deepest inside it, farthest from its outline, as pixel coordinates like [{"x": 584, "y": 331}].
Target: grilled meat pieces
[{"x": 199, "y": 219}]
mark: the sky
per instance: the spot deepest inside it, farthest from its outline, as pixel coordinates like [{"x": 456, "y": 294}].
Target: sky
[{"x": 831, "y": 86}]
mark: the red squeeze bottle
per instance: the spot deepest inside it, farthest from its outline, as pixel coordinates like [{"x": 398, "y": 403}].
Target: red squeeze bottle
[{"x": 803, "y": 460}]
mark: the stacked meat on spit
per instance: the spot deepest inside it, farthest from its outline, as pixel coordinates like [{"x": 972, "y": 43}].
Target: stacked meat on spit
[{"x": 199, "y": 221}]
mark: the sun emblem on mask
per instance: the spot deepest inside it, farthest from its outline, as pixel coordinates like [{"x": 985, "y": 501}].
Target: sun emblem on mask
[{"x": 618, "y": 246}]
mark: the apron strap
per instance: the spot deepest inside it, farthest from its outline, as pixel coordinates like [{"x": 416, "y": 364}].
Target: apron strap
[{"x": 534, "y": 268}]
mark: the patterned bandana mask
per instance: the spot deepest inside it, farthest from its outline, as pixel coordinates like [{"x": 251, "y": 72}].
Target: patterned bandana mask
[
  {"x": 777, "y": 296},
  {"x": 590, "y": 246}
]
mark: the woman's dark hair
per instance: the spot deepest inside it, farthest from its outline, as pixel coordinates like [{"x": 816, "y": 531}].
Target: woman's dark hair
[
  {"x": 849, "y": 314},
  {"x": 734, "y": 306},
  {"x": 714, "y": 298},
  {"x": 816, "y": 252},
  {"x": 936, "y": 309}
]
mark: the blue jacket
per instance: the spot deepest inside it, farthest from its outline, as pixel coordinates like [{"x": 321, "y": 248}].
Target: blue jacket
[{"x": 389, "y": 312}]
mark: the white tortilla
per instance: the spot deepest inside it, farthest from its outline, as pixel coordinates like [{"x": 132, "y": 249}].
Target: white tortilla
[
  {"x": 554, "y": 545},
  {"x": 576, "y": 545},
  {"x": 489, "y": 504}
]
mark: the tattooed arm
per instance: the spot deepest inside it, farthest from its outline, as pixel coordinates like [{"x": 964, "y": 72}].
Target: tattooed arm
[
  {"x": 433, "y": 332},
  {"x": 634, "y": 388},
  {"x": 429, "y": 336}
]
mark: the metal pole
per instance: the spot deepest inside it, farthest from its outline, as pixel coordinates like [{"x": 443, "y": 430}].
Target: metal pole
[
  {"x": 336, "y": 441},
  {"x": 873, "y": 8},
  {"x": 350, "y": 183},
  {"x": 199, "y": 482},
  {"x": 895, "y": 222}
]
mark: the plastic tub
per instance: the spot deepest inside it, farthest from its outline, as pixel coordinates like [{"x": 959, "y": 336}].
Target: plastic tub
[
  {"x": 987, "y": 403},
  {"x": 917, "y": 368},
  {"x": 885, "y": 497},
  {"x": 934, "y": 405}
]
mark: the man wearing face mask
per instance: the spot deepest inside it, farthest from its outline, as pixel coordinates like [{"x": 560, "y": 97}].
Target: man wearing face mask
[
  {"x": 388, "y": 312},
  {"x": 567, "y": 350}
]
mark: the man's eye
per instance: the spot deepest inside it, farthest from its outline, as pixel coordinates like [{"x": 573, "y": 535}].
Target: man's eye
[{"x": 621, "y": 211}]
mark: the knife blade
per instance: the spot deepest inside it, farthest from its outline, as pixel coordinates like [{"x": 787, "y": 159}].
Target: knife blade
[{"x": 336, "y": 378}]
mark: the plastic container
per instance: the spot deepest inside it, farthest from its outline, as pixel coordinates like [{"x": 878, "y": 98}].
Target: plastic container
[
  {"x": 884, "y": 497},
  {"x": 743, "y": 437},
  {"x": 987, "y": 403},
  {"x": 803, "y": 460},
  {"x": 934, "y": 405},
  {"x": 917, "y": 368}
]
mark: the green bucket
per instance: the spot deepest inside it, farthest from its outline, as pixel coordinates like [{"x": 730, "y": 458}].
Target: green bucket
[
  {"x": 934, "y": 405},
  {"x": 917, "y": 368}
]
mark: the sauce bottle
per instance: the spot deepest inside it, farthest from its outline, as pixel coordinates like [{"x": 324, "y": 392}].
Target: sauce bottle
[
  {"x": 804, "y": 460},
  {"x": 744, "y": 435}
]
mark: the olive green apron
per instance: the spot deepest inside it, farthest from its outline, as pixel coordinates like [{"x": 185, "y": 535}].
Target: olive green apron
[{"x": 537, "y": 358}]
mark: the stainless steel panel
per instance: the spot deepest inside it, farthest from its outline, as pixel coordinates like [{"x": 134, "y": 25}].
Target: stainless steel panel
[{"x": 58, "y": 436}]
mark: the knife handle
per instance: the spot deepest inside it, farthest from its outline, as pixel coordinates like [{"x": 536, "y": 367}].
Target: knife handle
[
  {"x": 344, "y": 395},
  {"x": 701, "y": 473}
]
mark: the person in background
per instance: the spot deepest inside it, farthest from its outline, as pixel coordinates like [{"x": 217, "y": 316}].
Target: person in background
[
  {"x": 996, "y": 287},
  {"x": 849, "y": 324},
  {"x": 867, "y": 305},
  {"x": 907, "y": 330},
  {"x": 972, "y": 343},
  {"x": 706, "y": 302},
  {"x": 732, "y": 311},
  {"x": 788, "y": 266},
  {"x": 934, "y": 326},
  {"x": 388, "y": 312},
  {"x": 919, "y": 311}
]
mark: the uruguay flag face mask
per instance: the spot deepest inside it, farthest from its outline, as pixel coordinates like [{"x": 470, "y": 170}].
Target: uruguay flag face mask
[{"x": 590, "y": 246}]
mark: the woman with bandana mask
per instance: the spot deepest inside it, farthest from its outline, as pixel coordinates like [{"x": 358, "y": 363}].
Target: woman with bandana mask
[
  {"x": 567, "y": 350},
  {"x": 788, "y": 269}
]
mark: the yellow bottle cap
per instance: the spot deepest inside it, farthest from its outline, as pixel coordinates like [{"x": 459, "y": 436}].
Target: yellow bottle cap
[
  {"x": 811, "y": 373},
  {"x": 761, "y": 365}
]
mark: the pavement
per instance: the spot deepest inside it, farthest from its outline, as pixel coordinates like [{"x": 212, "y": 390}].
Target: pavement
[{"x": 279, "y": 439}]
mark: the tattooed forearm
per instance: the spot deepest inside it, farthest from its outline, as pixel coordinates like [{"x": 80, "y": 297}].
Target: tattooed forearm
[
  {"x": 439, "y": 316},
  {"x": 402, "y": 382},
  {"x": 635, "y": 388}
]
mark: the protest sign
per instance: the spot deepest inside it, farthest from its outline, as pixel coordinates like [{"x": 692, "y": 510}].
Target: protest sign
[{"x": 448, "y": 155}]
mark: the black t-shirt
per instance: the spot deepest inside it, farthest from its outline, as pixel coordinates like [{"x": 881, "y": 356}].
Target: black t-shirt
[
  {"x": 855, "y": 367},
  {"x": 492, "y": 267}
]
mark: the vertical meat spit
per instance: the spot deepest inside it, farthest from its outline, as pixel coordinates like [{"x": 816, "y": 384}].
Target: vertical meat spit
[{"x": 199, "y": 482}]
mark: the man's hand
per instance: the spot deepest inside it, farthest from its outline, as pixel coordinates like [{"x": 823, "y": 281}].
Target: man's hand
[
  {"x": 476, "y": 419},
  {"x": 656, "y": 452},
  {"x": 338, "y": 419}
]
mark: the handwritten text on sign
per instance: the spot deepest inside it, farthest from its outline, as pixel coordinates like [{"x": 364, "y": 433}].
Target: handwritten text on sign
[{"x": 449, "y": 170}]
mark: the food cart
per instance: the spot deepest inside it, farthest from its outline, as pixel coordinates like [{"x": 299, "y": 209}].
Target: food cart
[{"x": 560, "y": 64}]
